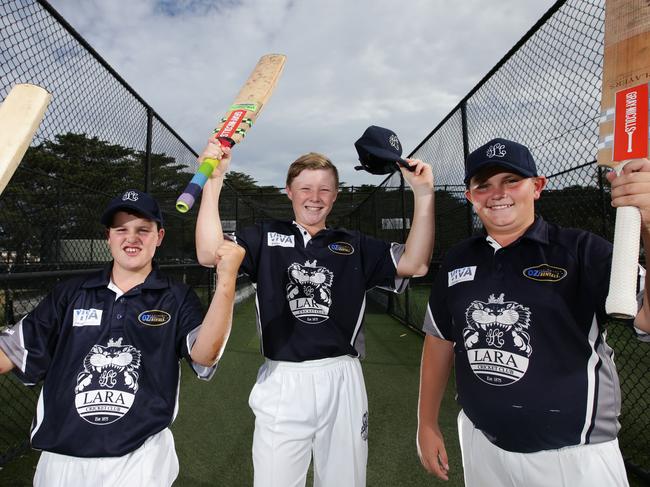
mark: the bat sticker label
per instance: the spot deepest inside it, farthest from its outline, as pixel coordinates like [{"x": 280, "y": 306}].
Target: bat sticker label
[
  {"x": 249, "y": 107},
  {"x": 631, "y": 123},
  {"x": 229, "y": 127}
]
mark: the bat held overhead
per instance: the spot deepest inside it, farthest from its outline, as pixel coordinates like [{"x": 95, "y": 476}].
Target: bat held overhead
[{"x": 238, "y": 120}]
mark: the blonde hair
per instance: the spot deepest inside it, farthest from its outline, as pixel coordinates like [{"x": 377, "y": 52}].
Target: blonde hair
[{"x": 312, "y": 161}]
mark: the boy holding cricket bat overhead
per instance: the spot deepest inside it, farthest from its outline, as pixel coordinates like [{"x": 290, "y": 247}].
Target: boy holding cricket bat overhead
[
  {"x": 310, "y": 398},
  {"x": 522, "y": 310},
  {"x": 108, "y": 346}
]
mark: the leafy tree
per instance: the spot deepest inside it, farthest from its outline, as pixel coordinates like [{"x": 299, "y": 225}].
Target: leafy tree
[
  {"x": 63, "y": 184},
  {"x": 240, "y": 181}
]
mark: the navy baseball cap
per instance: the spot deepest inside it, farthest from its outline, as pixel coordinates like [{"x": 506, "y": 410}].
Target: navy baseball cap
[
  {"x": 379, "y": 149},
  {"x": 501, "y": 153},
  {"x": 135, "y": 201}
]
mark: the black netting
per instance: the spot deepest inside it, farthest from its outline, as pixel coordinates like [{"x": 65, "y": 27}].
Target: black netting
[
  {"x": 97, "y": 139},
  {"x": 545, "y": 94}
]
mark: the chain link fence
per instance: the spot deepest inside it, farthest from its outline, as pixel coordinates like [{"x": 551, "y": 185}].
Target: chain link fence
[
  {"x": 545, "y": 93},
  {"x": 98, "y": 138}
]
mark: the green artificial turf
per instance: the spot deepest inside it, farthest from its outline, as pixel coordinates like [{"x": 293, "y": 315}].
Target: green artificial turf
[{"x": 214, "y": 427}]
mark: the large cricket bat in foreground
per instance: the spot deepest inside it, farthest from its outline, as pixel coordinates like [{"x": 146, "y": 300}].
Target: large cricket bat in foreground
[
  {"x": 20, "y": 115},
  {"x": 624, "y": 133},
  {"x": 240, "y": 117}
]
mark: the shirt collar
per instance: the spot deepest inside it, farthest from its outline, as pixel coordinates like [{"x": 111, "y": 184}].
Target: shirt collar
[
  {"x": 537, "y": 232},
  {"x": 306, "y": 236},
  {"x": 155, "y": 280},
  {"x": 332, "y": 232}
]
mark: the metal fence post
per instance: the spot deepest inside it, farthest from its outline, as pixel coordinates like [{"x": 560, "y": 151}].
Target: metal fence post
[
  {"x": 402, "y": 190},
  {"x": 465, "y": 137},
  {"x": 147, "y": 158},
  {"x": 603, "y": 207}
]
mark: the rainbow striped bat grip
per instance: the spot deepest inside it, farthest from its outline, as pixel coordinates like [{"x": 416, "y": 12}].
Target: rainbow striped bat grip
[{"x": 186, "y": 200}]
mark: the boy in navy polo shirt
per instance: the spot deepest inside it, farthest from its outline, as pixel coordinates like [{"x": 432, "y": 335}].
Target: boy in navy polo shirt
[
  {"x": 522, "y": 310},
  {"x": 107, "y": 347},
  {"x": 310, "y": 399}
]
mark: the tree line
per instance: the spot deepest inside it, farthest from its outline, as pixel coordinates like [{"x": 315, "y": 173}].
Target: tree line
[{"x": 63, "y": 184}]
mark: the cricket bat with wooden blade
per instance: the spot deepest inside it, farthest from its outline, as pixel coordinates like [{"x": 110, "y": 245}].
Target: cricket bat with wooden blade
[
  {"x": 21, "y": 114},
  {"x": 624, "y": 133},
  {"x": 238, "y": 120}
]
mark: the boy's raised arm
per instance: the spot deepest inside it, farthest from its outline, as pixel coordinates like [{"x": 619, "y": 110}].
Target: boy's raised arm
[{"x": 209, "y": 234}]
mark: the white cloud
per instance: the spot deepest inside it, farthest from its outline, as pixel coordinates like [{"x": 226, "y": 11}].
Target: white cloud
[{"x": 350, "y": 64}]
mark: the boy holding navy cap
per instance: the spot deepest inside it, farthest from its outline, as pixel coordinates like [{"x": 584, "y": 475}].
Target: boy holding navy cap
[{"x": 310, "y": 399}]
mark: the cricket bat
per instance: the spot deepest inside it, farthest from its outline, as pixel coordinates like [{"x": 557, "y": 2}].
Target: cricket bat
[
  {"x": 21, "y": 114},
  {"x": 238, "y": 120},
  {"x": 624, "y": 133}
]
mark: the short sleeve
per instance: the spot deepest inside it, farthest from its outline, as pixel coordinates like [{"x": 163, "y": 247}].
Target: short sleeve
[
  {"x": 30, "y": 344},
  {"x": 191, "y": 316},
  {"x": 640, "y": 334},
  {"x": 437, "y": 319},
  {"x": 251, "y": 239},
  {"x": 379, "y": 263}
]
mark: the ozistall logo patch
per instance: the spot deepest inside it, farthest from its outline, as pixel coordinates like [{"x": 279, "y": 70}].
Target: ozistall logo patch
[
  {"x": 545, "y": 272},
  {"x": 154, "y": 317},
  {"x": 342, "y": 248}
]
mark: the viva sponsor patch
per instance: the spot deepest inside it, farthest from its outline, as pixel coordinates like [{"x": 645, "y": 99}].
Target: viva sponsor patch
[
  {"x": 545, "y": 272},
  {"x": 86, "y": 317},
  {"x": 279, "y": 240},
  {"x": 461, "y": 274}
]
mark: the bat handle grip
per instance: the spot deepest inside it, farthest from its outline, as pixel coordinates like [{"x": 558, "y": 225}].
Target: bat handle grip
[
  {"x": 192, "y": 191},
  {"x": 621, "y": 301}
]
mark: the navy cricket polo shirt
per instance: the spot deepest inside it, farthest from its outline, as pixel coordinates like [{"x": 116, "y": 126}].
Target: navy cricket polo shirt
[
  {"x": 311, "y": 291},
  {"x": 110, "y": 367},
  {"x": 533, "y": 370}
]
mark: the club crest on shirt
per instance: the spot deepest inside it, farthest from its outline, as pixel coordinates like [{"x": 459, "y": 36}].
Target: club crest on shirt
[
  {"x": 108, "y": 382},
  {"x": 309, "y": 291},
  {"x": 342, "y": 248},
  {"x": 497, "y": 340},
  {"x": 274, "y": 239},
  {"x": 545, "y": 272},
  {"x": 461, "y": 274}
]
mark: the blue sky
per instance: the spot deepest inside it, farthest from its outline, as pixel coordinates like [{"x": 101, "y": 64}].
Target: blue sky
[{"x": 350, "y": 64}]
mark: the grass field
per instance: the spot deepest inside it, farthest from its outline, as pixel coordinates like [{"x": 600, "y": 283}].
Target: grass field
[{"x": 214, "y": 428}]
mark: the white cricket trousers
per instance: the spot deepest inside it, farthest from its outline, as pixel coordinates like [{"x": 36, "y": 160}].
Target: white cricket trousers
[
  {"x": 487, "y": 465},
  {"x": 154, "y": 464},
  {"x": 317, "y": 407}
]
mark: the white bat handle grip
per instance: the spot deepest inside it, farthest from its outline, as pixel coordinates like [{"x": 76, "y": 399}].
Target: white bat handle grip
[{"x": 621, "y": 300}]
